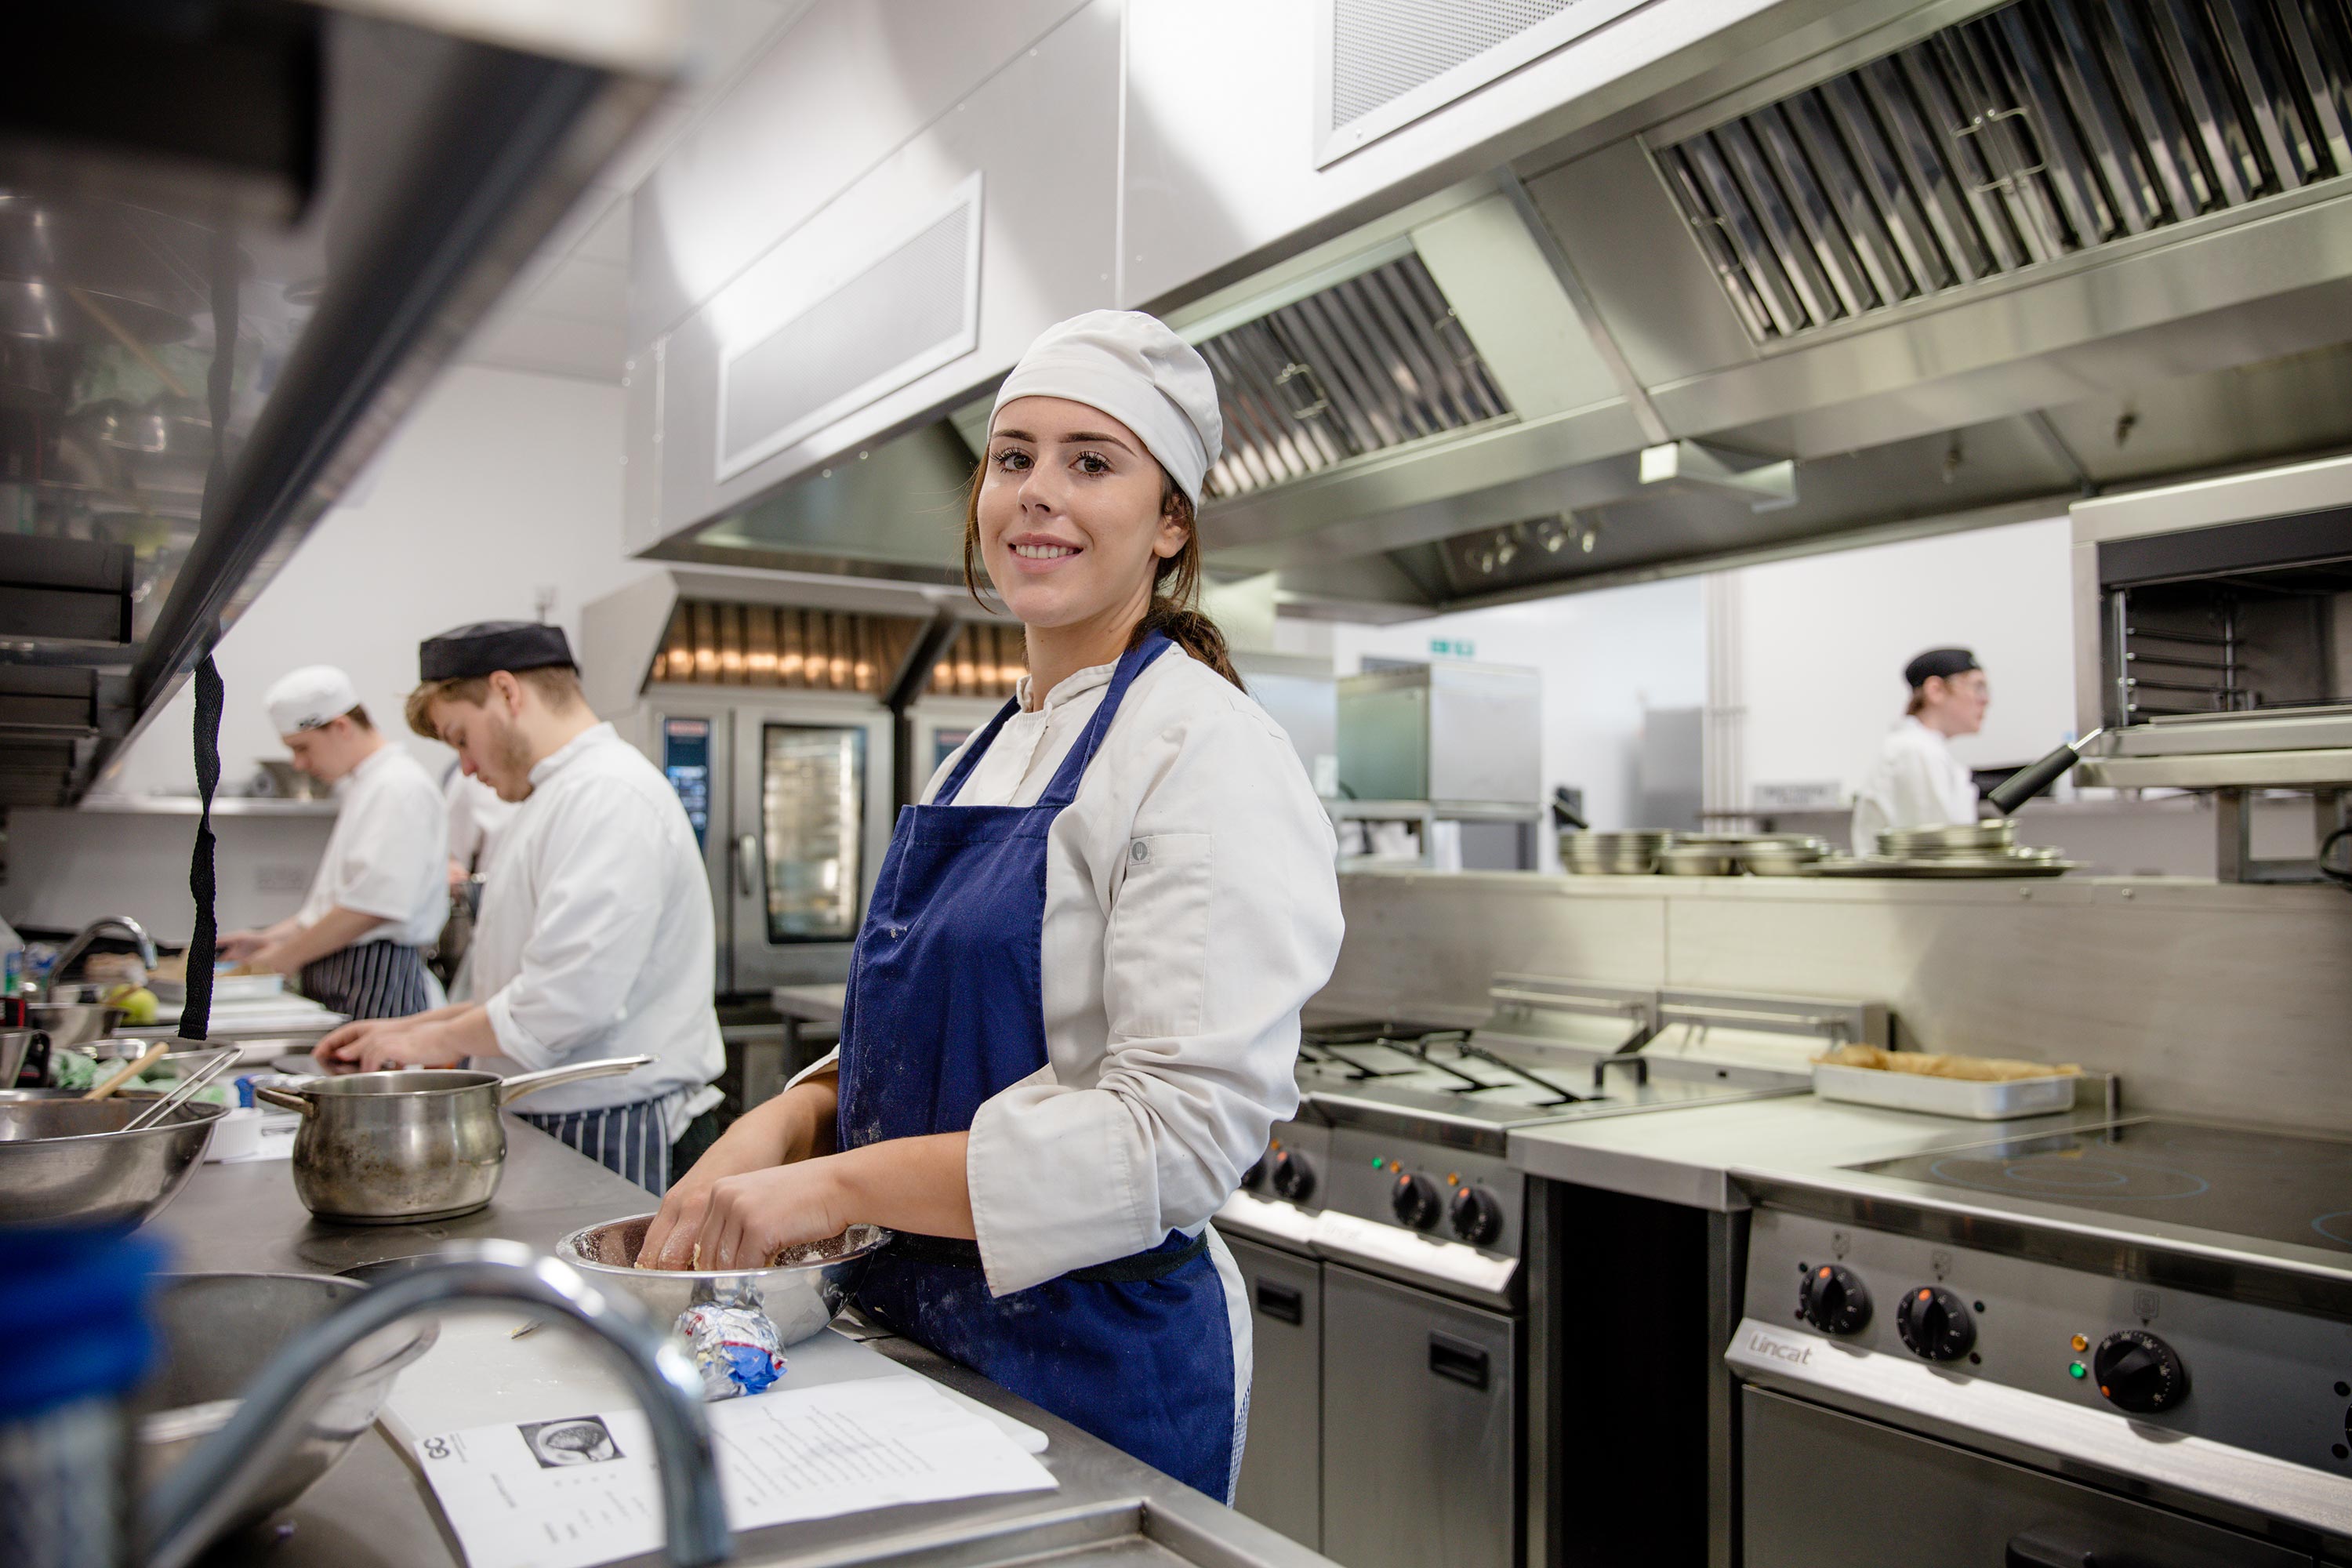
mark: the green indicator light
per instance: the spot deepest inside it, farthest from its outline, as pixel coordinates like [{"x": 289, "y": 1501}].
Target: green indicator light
[
  {"x": 1377, "y": 1162},
  {"x": 2074, "y": 1369}
]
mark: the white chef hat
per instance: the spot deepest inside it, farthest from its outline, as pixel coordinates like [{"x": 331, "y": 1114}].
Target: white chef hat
[
  {"x": 314, "y": 695},
  {"x": 1134, "y": 369}
]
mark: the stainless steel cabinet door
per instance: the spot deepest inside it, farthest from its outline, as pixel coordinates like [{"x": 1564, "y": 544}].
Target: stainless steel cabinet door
[
  {"x": 1820, "y": 1487},
  {"x": 1420, "y": 1428},
  {"x": 1282, "y": 1469}
]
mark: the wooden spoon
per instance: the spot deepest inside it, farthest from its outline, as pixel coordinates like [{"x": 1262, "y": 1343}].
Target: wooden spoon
[{"x": 155, "y": 1053}]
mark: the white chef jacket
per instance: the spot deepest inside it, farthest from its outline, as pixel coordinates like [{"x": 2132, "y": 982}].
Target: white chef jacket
[
  {"x": 1918, "y": 782},
  {"x": 384, "y": 857},
  {"x": 477, "y": 820},
  {"x": 594, "y": 938},
  {"x": 1172, "y": 979}
]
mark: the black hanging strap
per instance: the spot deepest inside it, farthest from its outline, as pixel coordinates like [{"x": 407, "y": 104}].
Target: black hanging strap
[{"x": 197, "y": 1013}]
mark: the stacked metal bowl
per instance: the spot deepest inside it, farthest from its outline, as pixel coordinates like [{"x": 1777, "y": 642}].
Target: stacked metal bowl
[
  {"x": 1611, "y": 854},
  {"x": 1961, "y": 849},
  {"x": 1689, "y": 854}
]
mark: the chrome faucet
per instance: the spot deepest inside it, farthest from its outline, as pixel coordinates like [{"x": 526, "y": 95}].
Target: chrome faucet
[
  {"x": 188, "y": 1506},
  {"x": 90, "y": 933}
]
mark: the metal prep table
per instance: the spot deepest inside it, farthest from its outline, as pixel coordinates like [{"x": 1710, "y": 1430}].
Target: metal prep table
[
  {"x": 373, "y": 1512},
  {"x": 812, "y": 1023}
]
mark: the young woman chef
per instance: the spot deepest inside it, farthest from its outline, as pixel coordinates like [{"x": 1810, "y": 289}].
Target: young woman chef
[{"x": 1074, "y": 1010}]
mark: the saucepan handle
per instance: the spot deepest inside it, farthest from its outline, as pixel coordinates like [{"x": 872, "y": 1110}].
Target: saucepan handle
[
  {"x": 285, "y": 1100},
  {"x": 515, "y": 1087}
]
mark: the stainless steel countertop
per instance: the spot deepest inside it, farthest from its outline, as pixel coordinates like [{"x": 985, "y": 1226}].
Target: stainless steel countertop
[
  {"x": 1688, "y": 1156},
  {"x": 810, "y": 1004},
  {"x": 372, "y": 1510}
]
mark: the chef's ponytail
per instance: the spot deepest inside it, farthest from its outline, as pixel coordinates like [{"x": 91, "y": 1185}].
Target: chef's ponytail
[{"x": 1175, "y": 609}]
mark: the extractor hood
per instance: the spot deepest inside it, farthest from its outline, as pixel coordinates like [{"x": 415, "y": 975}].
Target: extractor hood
[
  {"x": 235, "y": 239},
  {"x": 1965, "y": 266}
]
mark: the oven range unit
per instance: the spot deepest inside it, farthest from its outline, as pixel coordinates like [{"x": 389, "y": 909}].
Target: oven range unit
[
  {"x": 1394, "y": 1257},
  {"x": 2126, "y": 1344}
]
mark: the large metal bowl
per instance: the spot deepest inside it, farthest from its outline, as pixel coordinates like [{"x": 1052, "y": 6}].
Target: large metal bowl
[
  {"x": 66, "y": 1159},
  {"x": 71, "y": 1024},
  {"x": 218, "y": 1331},
  {"x": 799, "y": 1298}
]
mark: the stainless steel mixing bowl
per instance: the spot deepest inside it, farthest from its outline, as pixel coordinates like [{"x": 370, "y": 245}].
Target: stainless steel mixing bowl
[
  {"x": 799, "y": 1298},
  {"x": 66, "y": 1159},
  {"x": 218, "y": 1331}
]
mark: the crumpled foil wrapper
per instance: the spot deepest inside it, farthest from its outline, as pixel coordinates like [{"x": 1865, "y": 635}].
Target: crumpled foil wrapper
[{"x": 736, "y": 1348}]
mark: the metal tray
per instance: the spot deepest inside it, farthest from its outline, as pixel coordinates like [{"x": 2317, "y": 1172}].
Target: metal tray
[
  {"x": 1951, "y": 867},
  {"x": 1973, "y": 1099}
]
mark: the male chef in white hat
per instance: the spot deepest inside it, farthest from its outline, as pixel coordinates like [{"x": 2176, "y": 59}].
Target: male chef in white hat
[
  {"x": 596, "y": 938},
  {"x": 378, "y": 899}
]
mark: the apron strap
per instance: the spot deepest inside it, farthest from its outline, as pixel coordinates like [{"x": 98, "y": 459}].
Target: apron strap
[
  {"x": 973, "y": 754},
  {"x": 1134, "y": 1269},
  {"x": 1064, "y": 788}
]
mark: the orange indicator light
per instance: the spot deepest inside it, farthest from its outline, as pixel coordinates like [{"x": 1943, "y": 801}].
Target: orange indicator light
[{"x": 2079, "y": 1343}]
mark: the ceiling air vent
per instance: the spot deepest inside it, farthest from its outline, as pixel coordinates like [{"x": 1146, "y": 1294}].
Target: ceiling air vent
[
  {"x": 2041, "y": 131},
  {"x": 1387, "y": 62},
  {"x": 1360, "y": 367},
  {"x": 901, "y": 316}
]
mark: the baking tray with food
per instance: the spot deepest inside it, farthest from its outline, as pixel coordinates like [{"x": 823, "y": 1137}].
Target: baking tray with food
[{"x": 1981, "y": 1088}]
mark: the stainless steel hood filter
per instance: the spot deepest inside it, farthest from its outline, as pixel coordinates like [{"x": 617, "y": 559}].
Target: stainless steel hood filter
[
  {"x": 2041, "y": 130},
  {"x": 1360, "y": 367}
]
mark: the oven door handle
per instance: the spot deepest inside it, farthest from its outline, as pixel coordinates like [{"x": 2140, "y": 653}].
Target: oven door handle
[
  {"x": 2045, "y": 1546},
  {"x": 1281, "y": 1303},
  {"x": 1459, "y": 1360}
]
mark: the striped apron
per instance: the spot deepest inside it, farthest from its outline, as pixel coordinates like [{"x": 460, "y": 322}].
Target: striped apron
[
  {"x": 631, "y": 1140},
  {"x": 369, "y": 980}
]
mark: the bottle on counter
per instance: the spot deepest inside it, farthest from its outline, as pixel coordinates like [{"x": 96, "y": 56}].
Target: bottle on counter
[{"x": 80, "y": 1337}]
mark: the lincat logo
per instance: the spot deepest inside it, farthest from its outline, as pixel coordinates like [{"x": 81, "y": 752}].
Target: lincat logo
[{"x": 1780, "y": 1350}]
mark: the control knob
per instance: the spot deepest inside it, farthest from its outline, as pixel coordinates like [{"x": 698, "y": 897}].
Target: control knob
[
  {"x": 1294, "y": 1178},
  {"x": 1936, "y": 1323},
  {"x": 1414, "y": 1199},
  {"x": 2139, "y": 1373},
  {"x": 1253, "y": 1179},
  {"x": 1834, "y": 1300},
  {"x": 1477, "y": 1218}
]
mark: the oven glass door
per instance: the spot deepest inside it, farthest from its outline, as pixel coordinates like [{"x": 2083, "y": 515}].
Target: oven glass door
[
  {"x": 811, "y": 831},
  {"x": 1820, "y": 1486}
]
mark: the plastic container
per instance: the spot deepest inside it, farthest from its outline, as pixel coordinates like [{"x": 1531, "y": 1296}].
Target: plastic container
[{"x": 1967, "y": 1098}]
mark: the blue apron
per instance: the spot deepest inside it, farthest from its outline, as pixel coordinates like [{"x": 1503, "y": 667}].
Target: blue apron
[{"x": 945, "y": 1010}]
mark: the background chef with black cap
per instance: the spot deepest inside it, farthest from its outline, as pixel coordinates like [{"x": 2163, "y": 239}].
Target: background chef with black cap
[
  {"x": 595, "y": 936},
  {"x": 378, "y": 899},
  {"x": 1918, "y": 782}
]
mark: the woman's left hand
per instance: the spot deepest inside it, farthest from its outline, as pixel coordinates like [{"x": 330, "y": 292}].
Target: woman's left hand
[{"x": 748, "y": 1218}]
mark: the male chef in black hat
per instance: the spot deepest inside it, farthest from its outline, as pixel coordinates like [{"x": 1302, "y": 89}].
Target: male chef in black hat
[
  {"x": 594, "y": 939},
  {"x": 1918, "y": 782}
]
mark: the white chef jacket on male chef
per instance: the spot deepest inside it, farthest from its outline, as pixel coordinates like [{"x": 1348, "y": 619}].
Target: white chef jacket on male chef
[
  {"x": 384, "y": 857},
  {"x": 595, "y": 936},
  {"x": 1918, "y": 782},
  {"x": 1173, "y": 977}
]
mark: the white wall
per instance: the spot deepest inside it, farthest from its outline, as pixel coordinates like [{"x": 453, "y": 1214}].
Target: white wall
[
  {"x": 503, "y": 487},
  {"x": 1604, "y": 657},
  {"x": 1823, "y": 640}
]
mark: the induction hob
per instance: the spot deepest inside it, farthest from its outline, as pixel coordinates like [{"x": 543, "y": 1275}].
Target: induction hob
[{"x": 2269, "y": 1186}]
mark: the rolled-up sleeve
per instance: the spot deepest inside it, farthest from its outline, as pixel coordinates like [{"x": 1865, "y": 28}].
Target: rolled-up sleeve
[
  {"x": 1222, "y": 920},
  {"x": 597, "y": 912}
]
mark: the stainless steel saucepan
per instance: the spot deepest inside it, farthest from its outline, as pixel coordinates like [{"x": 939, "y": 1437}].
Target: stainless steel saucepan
[{"x": 395, "y": 1148}]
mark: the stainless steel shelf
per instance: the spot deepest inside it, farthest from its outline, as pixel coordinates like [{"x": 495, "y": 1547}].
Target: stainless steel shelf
[{"x": 188, "y": 806}]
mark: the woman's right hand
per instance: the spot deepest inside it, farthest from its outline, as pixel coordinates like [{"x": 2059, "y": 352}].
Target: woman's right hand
[{"x": 795, "y": 1125}]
